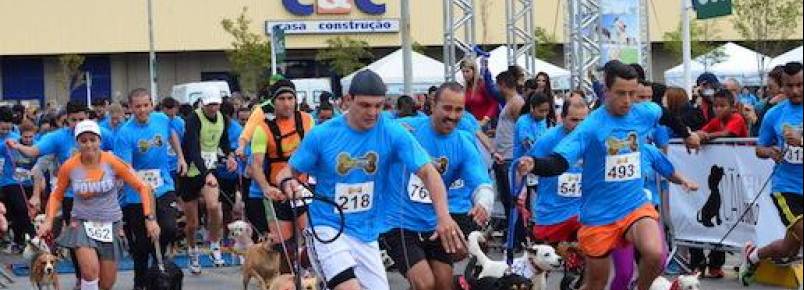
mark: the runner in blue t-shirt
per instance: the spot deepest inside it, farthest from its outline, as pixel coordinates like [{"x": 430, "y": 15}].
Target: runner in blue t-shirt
[
  {"x": 531, "y": 126},
  {"x": 143, "y": 142},
  {"x": 16, "y": 183},
  {"x": 351, "y": 157},
  {"x": 780, "y": 140},
  {"x": 614, "y": 208},
  {"x": 411, "y": 219},
  {"x": 170, "y": 107},
  {"x": 558, "y": 200}
]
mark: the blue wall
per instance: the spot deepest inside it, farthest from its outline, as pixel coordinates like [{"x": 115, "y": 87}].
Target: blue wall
[
  {"x": 23, "y": 78},
  {"x": 100, "y": 69}
]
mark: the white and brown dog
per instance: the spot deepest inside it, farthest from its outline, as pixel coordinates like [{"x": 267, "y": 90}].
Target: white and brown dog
[
  {"x": 34, "y": 246},
  {"x": 240, "y": 232},
  {"x": 43, "y": 271},
  {"x": 683, "y": 282},
  {"x": 534, "y": 264}
]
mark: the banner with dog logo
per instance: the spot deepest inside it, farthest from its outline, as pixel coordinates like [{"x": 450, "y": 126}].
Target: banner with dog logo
[{"x": 730, "y": 176}]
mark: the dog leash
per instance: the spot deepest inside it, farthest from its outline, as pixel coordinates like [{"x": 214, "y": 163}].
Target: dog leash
[
  {"x": 516, "y": 188},
  {"x": 19, "y": 183}
]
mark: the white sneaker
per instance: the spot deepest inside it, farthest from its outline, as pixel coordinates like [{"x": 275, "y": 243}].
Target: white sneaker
[
  {"x": 195, "y": 264},
  {"x": 217, "y": 256}
]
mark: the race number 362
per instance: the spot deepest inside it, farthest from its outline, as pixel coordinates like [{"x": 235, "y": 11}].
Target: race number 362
[{"x": 623, "y": 167}]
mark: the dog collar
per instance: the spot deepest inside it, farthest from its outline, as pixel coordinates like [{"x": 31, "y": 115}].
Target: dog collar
[{"x": 675, "y": 285}]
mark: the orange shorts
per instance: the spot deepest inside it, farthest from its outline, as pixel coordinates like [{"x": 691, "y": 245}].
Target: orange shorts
[{"x": 599, "y": 241}]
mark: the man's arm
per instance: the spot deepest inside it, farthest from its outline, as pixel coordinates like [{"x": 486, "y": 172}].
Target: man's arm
[
  {"x": 552, "y": 165},
  {"x": 192, "y": 145},
  {"x": 447, "y": 230},
  {"x": 175, "y": 143}
]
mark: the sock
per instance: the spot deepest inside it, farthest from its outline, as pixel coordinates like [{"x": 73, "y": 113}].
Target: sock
[
  {"x": 753, "y": 257},
  {"x": 89, "y": 285}
]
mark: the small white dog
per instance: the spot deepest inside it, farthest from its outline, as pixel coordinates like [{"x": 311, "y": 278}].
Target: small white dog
[
  {"x": 38, "y": 221},
  {"x": 533, "y": 264},
  {"x": 683, "y": 282},
  {"x": 240, "y": 232},
  {"x": 34, "y": 246}
]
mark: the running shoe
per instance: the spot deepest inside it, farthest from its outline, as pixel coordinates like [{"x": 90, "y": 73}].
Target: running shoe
[
  {"x": 747, "y": 269},
  {"x": 195, "y": 263},
  {"x": 217, "y": 256}
]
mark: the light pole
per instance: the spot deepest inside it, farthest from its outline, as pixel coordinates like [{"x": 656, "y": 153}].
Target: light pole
[
  {"x": 151, "y": 53},
  {"x": 407, "y": 49},
  {"x": 687, "y": 45}
]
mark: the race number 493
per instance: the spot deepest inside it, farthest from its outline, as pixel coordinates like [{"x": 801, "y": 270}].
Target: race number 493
[{"x": 623, "y": 167}]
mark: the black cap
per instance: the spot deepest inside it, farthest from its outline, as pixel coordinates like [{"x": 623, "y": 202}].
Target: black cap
[
  {"x": 281, "y": 87},
  {"x": 367, "y": 83}
]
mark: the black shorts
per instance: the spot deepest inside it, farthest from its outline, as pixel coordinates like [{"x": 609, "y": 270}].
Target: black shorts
[
  {"x": 228, "y": 187},
  {"x": 465, "y": 222},
  {"x": 789, "y": 206},
  {"x": 417, "y": 246},
  {"x": 190, "y": 187},
  {"x": 285, "y": 213}
]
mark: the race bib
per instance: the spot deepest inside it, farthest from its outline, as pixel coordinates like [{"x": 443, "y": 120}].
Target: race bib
[
  {"x": 354, "y": 197},
  {"x": 22, "y": 174},
  {"x": 569, "y": 185},
  {"x": 623, "y": 167},
  {"x": 99, "y": 231},
  {"x": 152, "y": 177},
  {"x": 210, "y": 159},
  {"x": 416, "y": 190},
  {"x": 793, "y": 155}
]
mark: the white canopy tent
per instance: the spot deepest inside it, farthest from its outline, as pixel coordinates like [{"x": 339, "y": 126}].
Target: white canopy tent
[
  {"x": 740, "y": 63},
  {"x": 498, "y": 62},
  {"x": 426, "y": 72},
  {"x": 797, "y": 54}
]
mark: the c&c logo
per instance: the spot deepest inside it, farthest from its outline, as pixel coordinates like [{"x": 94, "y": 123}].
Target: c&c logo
[{"x": 333, "y": 7}]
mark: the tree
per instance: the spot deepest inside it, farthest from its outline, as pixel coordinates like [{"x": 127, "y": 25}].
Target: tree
[
  {"x": 70, "y": 75},
  {"x": 545, "y": 44},
  {"x": 764, "y": 24},
  {"x": 250, "y": 55},
  {"x": 344, "y": 54},
  {"x": 700, "y": 35}
]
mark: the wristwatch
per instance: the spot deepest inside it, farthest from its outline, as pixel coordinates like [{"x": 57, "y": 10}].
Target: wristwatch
[{"x": 150, "y": 218}]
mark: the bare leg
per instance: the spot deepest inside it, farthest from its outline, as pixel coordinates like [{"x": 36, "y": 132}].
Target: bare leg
[
  {"x": 597, "y": 273},
  {"x": 645, "y": 236}
]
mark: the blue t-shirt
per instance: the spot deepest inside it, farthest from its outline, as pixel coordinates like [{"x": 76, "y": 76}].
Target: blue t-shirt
[
  {"x": 454, "y": 155},
  {"x": 107, "y": 124},
  {"x": 394, "y": 115},
  {"x": 559, "y": 197},
  {"x": 353, "y": 169},
  {"x": 660, "y": 136},
  {"x": 526, "y": 133},
  {"x": 234, "y": 131},
  {"x": 177, "y": 124},
  {"x": 787, "y": 176},
  {"x": 61, "y": 143},
  {"x": 609, "y": 147},
  {"x": 468, "y": 123},
  {"x": 16, "y": 167},
  {"x": 458, "y": 189},
  {"x": 144, "y": 147},
  {"x": 655, "y": 164}
]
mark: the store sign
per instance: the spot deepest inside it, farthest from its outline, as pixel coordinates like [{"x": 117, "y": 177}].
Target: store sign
[
  {"x": 335, "y": 26},
  {"x": 333, "y": 7},
  {"x": 712, "y": 8}
]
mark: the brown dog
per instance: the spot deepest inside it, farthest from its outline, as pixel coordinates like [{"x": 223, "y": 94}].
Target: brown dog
[
  {"x": 285, "y": 282},
  {"x": 262, "y": 263},
  {"x": 43, "y": 271}
]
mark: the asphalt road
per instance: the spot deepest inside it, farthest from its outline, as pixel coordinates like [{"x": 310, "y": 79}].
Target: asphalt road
[{"x": 229, "y": 278}]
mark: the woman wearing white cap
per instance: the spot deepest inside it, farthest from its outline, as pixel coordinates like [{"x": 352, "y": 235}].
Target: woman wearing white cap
[{"x": 93, "y": 175}]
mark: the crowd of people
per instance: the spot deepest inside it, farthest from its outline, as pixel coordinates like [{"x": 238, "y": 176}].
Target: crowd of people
[{"x": 413, "y": 176}]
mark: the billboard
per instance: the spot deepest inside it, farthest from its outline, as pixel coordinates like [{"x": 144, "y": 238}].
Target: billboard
[{"x": 620, "y": 31}]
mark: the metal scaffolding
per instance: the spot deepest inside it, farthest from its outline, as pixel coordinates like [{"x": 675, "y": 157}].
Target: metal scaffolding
[
  {"x": 644, "y": 34},
  {"x": 519, "y": 33},
  {"x": 582, "y": 51},
  {"x": 459, "y": 34}
]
